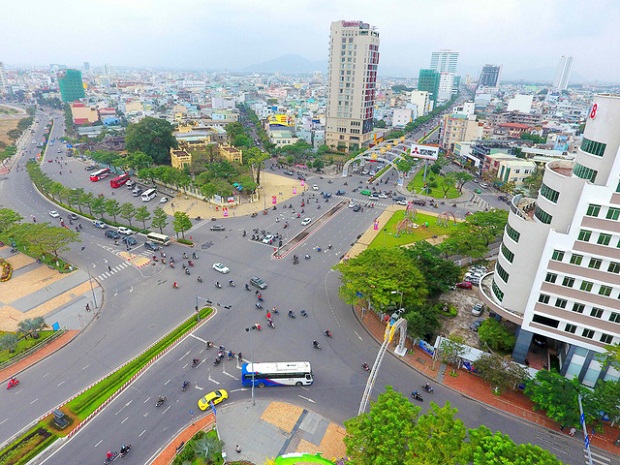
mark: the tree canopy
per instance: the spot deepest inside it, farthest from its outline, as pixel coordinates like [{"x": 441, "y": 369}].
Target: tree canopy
[{"x": 153, "y": 136}]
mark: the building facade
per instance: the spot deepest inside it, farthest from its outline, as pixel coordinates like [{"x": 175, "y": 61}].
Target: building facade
[
  {"x": 421, "y": 100},
  {"x": 558, "y": 271},
  {"x": 352, "y": 76},
  {"x": 562, "y": 73},
  {"x": 71, "y": 86},
  {"x": 489, "y": 77},
  {"x": 459, "y": 128},
  {"x": 428, "y": 81},
  {"x": 4, "y": 83},
  {"x": 444, "y": 61}
]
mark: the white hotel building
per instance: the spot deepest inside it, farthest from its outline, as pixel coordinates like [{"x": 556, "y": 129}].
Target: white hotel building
[{"x": 558, "y": 270}]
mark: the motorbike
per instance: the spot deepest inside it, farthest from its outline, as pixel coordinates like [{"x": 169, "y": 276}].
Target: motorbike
[
  {"x": 12, "y": 383},
  {"x": 160, "y": 401},
  {"x": 258, "y": 305},
  {"x": 316, "y": 345},
  {"x": 199, "y": 279},
  {"x": 247, "y": 287},
  {"x": 125, "y": 450},
  {"x": 328, "y": 333},
  {"x": 230, "y": 354},
  {"x": 187, "y": 271},
  {"x": 270, "y": 324},
  {"x": 295, "y": 259},
  {"x": 254, "y": 215},
  {"x": 185, "y": 386},
  {"x": 195, "y": 363},
  {"x": 428, "y": 388},
  {"x": 217, "y": 361},
  {"x": 417, "y": 396},
  {"x": 231, "y": 283},
  {"x": 307, "y": 257},
  {"x": 190, "y": 263},
  {"x": 304, "y": 313},
  {"x": 195, "y": 256},
  {"x": 171, "y": 264},
  {"x": 175, "y": 286},
  {"x": 291, "y": 314},
  {"x": 209, "y": 345},
  {"x": 366, "y": 367},
  {"x": 285, "y": 225},
  {"x": 218, "y": 285},
  {"x": 112, "y": 458}
]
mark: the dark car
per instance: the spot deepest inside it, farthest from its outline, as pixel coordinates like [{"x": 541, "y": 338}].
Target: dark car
[
  {"x": 257, "y": 282},
  {"x": 301, "y": 177},
  {"x": 218, "y": 227},
  {"x": 148, "y": 245},
  {"x": 340, "y": 192},
  {"x": 327, "y": 195},
  {"x": 130, "y": 240},
  {"x": 399, "y": 198},
  {"x": 357, "y": 208},
  {"x": 112, "y": 234},
  {"x": 90, "y": 168},
  {"x": 419, "y": 202}
]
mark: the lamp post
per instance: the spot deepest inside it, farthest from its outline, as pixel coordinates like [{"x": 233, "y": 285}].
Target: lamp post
[
  {"x": 197, "y": 310},
  {"x": 401, "y": 298},
  {"x": 248, "y": 330},
  {"x": 90, "y": 281}
]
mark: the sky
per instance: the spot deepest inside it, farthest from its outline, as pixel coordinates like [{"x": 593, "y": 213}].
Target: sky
[{"x": 521, "y": 35}]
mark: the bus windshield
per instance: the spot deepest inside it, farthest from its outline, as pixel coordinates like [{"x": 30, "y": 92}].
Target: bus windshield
[
  {"x": 277, "y": 374},
  {"x": 99, "y": 175}
]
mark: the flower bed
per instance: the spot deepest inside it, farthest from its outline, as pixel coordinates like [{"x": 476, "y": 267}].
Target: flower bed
[{"x": 6, "y": 270}]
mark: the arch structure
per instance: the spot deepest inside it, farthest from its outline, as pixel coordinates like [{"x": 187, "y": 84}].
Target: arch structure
[
  {"x": 444, "y": 217},
  {"x": 373, "y": 156}
]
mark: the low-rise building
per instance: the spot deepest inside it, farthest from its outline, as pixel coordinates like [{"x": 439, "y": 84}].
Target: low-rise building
[
  {"x": 180, "y": 158},
  {"x": 83, "y": 114},
  {"x": 230, "y": 153},
  {"x": 459, "y": 128}
]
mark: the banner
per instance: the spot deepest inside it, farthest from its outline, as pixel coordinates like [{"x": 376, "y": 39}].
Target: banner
[{"x": 424, "y": 151}]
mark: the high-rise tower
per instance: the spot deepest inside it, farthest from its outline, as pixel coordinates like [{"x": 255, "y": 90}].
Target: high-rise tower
[
  {"x": 3, "y": 80},
  {"x": 352, "y": 75},
  {"x": 70, "y": 83},
  {"x": 444, "y": 61},
  {"x": 489, "y": 77},
  {"x": 562, "y": 73}
]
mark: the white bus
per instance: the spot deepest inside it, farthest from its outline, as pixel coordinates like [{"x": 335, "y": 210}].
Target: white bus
[
  {"x": 277, "y": 374},
  {"x": 149, "y": 195},
  {"x": 160, "y": 239}
]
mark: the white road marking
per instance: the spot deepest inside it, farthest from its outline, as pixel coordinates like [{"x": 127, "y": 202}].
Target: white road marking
[
  {"x": 98, "y": 443},
  {"x": 61, "y": 383},
  {"x": 167, "y": 408},
  {"x": 147, "y": 399},
  {"x": 126, "y": 418},
  {"x": 228, "y": 374},
  {"x": 212, "y": 380},
  {"x": 199, "y": 388},
  {"x": 199, "y": 338},
  {"x": 140, "y": 435},
  {"x": 166, "y": 383},
  {"x": 185, "y": 354},
  {"x": 308, "y": 399},
  {"x": 46, "y": 374},
  {"x": 34, "y": 401},
  {"x": 6, "y": 419},
  {"x": 360, "y": 337},
  {"x": 152, "y": 457},
  {"x": 86, "y": 367},
  {"x": 239, "y": 390}
]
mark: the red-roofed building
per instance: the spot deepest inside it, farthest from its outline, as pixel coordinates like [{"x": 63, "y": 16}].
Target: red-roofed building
[
  {"x": 83, "y": 114},
  {"x": 514, "y": 130}
]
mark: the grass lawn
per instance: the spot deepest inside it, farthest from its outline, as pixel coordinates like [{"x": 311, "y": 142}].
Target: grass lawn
[
  {"x": 417, "y": 184},
  {"x": 388, "y": 236},
  {"x": 6, "y": 124},
  {"x": 23, "y": 345}
]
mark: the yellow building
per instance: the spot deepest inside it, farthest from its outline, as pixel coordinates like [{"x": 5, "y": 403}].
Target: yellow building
[
  {"x": 180, "y": 158},
  {"x": 230, "y": 153},
  {"x": 83, "y": 114}
]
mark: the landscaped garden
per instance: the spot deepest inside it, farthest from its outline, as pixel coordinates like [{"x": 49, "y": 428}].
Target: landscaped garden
[{"x": 436, "y": 185}]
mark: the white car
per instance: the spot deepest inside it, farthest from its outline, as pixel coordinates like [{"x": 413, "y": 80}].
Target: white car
[
  {"x": 54, "y": 214},
  {"x": 221, "y": 268},
  {"x": 306, "y": 221},
  {"x": 125, "y": 231},
  {"x": 351, "y": 204},
  {"x": 267, "y": 239},
  {"x": 402, "y": 202},
  {"x": 129, "y": 184},
  {"x": 163, "y": 200},
  {"x": 315, "y": 187},
  {"x": 383, "y": 196}
]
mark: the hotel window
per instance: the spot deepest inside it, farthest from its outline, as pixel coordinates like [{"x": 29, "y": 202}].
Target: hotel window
[
  {"x": 542, "y": 215},
  {"x": 502, "y": 273},
  {"x": 589, "y": 333},
  {"x": 547, "y": 192},
  {"x": 614, "y": 267},
  {"x": 614, "y": 317},
  {"x": 568, "y": 282},
  {"x": 584, "y": 172},
  {"x": 613, "y": 214},
  {"x": 497, "y": 291},
  {"x": 575, "y": 259},
  {"x": 578, "y": 308},
  {"x": 507, "y": 253},
  {"x": 543, "y": 298},
  {"x": 561, "y": 303},
  {"x": 558, "y": 255},
  {"x": 551, "y": 277},
  {"x": 604, "y": 239},
  {"x": 593, "y": 210},
  {"x": 586, "y": 286},
  {"x": 606, "y": 338},
  {"x": 605, "y": 291},
  {"x": 570, "y": 328},
  {"x": 595, "y": 263},
  {"x": 593, "y": 148},
  {"x": 596, "y": 312},
  {"x": 584, "y": 235},
  {"x": 618, "y": 188}
]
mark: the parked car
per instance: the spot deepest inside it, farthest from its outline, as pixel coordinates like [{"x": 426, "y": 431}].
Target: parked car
[
  {"x": 464, "y": 285},
  {"x": 217, "y": 227},
  {"x": 257, "y": 282},
  {"x": 125, "y": 231},
  {"x": 163, "y": 200},
  {"x": 129, "y": 184},
  {"x": 112, "y": 235},
  {"x": 476, "y": 324},
  {"x": 137, "y": 192},
  {"x": 477, "y": 309},
  {"x": 99, "y": 224}
]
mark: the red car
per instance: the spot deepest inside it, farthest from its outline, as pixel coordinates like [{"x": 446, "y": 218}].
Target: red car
[{"x": 464, "y": 285}]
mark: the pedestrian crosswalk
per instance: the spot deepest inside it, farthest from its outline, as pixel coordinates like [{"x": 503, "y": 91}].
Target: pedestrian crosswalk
[
  {"x": 112, "y": 270},
  {"x": 366, "y": 202}
]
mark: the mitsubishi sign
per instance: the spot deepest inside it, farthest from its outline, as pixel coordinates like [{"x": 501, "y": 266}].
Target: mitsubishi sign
[{"x": 424, "y": 151}]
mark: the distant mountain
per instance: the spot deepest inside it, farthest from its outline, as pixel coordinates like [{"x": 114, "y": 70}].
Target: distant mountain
[{"x": 288, "y": 64}]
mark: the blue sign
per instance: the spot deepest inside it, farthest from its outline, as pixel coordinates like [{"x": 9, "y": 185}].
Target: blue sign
[
  {"x": 213, "y": 407},
  {"x": 359, "y": 294}
]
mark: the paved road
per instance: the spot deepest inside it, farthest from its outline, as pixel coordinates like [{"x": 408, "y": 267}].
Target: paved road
[{"x": 140, "y": 306}]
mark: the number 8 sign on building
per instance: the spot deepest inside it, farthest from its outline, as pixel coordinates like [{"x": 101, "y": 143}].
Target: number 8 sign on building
[{"x": 593, "y": 111}]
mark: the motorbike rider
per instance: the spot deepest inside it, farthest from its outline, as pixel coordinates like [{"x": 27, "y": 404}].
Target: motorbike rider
[
  {"x": 217, "y": 284},
  {"x": 328, "y": 333},
  {"x": 231, "y": 282},
  {"x": 315, "y": 343},
  {"x": 195, "y": 361},
  {"x": 247, "y": 287},
  {"x": 175, "y": 285},
  {"x": 365, "y": 366},
  {"x": 185, "y": 384},
  {"x": 161, "y": 399},
  {"x": 199, "y": 279},
  {"x": 194, "y": 256},
  {"x": 109, "y": 455}
]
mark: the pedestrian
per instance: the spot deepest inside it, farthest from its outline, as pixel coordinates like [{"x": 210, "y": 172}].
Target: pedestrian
[
  {"x": 562, "y": 428},
  {"x": 87, "y": 307},
  {"x": 572, "y": 432},
  {"x": 238, "y": 449},
  {"x": 109, "y": 268}
]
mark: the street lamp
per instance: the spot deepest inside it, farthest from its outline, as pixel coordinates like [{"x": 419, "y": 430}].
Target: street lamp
[
  {"x": 197, "y": 310},
  {"x": 248, "y": 330},
  {"x": 401, "y": 299},
  {"x": 90, "y": 281}
]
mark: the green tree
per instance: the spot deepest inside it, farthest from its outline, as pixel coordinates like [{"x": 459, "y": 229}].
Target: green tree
[
  {"x": 606, "y": 395},
  {"x": 446, "y": 183},
  {"x": 500, "y": 373},
  {"x": 557, "y": 396},
  {"x": 533, "y": 183},
  {"x": 43, "y": 238},
  {"x": 462, "y": 242},
  {"x": 209, "y": 448},
  {"x": 496, "y": 336},
  {"x": 138, "y": 161},
  {"x": 381, "y": 436},
  {"x": 376, "y": 274},
  {"x": 127, "y": 212},
  {"x": 440, "y": 273},
  {"x": 105, "y": 157},
  {"x": 142, "y": 214},
  {"x": 438, "y": 438},
  {"x": 97, "y": 207},
  {"x": 318, "y": 164},
  {"x": 255, "y": 159},
  {"x": 152, "y": 136},
  {"x": 8, "y": 219},
  {"x": 9, "y": 342},
  {"x": 14, "y": 134},
  {"x": 181, "y": 223},
  {"x": 498, "y": 449},
  {"x": 461, "y": 178},
  {"x": 404, "y": 165},
  {"x": 422, "y": 319},
  {"x": 160, "y": 219},
  {"x": 451, "y": 349},
  {"x": 112, "y": 207},
  {"x": 32, "y": 326}
]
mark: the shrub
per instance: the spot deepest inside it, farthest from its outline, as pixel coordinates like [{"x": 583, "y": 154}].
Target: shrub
[{"x": 496, "y": 336}]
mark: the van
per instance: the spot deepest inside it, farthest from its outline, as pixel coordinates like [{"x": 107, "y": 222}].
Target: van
[{"x": 419, "y": 202}]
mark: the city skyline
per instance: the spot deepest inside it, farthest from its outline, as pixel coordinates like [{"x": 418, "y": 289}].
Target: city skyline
[{"x": 523, "y": 36}]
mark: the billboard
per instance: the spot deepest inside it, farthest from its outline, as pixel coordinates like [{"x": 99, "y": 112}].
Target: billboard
[{"x": 424, "y": 151}]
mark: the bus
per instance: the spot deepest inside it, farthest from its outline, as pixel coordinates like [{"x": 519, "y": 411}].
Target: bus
[
  {"x": 149, "y": 195},
  {"x": 160, "y": 239},
  {"x": 99, "y": 175},
  {"x": 276, "y": 374},
  {"x": 119, "y": 180}
]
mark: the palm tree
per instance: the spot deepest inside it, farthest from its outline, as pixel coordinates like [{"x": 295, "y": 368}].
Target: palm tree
[
  {"x": 9, "y": 342},
  {"x": 32, "y": 326},
  {"x": 208, "y": 447}
]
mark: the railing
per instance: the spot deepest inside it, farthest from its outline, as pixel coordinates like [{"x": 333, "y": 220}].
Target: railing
[{"x": 32, "y": 350}]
